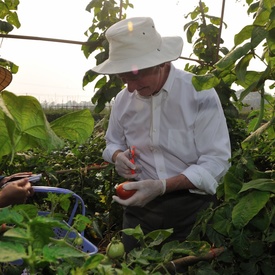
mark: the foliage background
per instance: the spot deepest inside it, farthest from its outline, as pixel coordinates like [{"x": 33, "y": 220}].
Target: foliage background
[{"x": 244, "y": 221}]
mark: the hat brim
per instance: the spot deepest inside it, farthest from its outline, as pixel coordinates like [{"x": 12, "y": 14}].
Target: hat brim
[
  {"x": 170, "y": 50},
  {"x": 5, "y": 78}
]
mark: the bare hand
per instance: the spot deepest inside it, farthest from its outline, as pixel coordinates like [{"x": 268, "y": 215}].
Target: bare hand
[{"x": 16, "y": 192}]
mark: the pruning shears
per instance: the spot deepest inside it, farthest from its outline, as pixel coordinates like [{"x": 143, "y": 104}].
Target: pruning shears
[{"x": 132, "y": 156}]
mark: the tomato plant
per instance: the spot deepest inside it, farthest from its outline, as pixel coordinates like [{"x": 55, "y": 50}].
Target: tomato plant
[{"x": 122, "y": 193}]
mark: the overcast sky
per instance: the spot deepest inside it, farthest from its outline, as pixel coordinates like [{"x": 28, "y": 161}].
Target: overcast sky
[{"x": 54, "y": 71}]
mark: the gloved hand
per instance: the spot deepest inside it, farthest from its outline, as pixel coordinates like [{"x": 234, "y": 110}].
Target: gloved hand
[
  {"x": 147, "y": 190},
  {"x": 123, "y": 165}
]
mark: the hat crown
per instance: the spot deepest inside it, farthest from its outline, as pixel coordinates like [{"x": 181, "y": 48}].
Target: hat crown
[
  {"x": 132, "y": 37},
  {"x": 135, "y": 44}
]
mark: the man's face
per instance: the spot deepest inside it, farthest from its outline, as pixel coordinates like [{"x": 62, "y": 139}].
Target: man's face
[{"x": 146, "y": 81}]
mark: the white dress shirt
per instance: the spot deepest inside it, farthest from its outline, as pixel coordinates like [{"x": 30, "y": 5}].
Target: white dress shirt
[{"x": 177, "y": 131}]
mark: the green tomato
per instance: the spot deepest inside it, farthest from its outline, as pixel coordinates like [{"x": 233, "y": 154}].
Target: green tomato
[
  {"x": 78, "y": 241},
  {"x": 115, "y": 250}
]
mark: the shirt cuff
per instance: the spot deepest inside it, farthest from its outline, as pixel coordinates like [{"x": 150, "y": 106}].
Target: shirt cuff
[
  {"x": 202, "y": 180},
  {"x": 109, "y": 152}
]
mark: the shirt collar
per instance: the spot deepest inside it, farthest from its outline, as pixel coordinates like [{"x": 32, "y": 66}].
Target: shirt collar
[{"x": 170, "y": 79}]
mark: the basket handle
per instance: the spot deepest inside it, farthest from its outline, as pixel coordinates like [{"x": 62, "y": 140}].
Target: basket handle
[{"x": 48, "y": 189}]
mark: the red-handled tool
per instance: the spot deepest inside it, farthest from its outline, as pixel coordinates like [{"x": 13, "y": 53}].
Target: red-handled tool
[{"x": 132, "y": 156}]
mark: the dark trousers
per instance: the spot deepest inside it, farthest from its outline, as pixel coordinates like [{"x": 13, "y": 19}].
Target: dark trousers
[{"x": 177, "y": 210}]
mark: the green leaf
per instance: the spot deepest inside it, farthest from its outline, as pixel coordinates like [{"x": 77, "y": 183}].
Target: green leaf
[
  {"x": 28, "y": 209},
  {"x": 242, "y": 67},
  {"x": 5, "y": 27},
  {"x": 214, "y": 20},
  {"x": 65, "y": 201},
  {"x": 233, "y": 56},
  {"x": 271, "y": 41},
  {"x": 92, "y": 262},
  {"x": 241, "y": 242},
  {"x": 9, "y": 216},
  {"x": 259, "y": 184},
  {"x": 18, "y": 233},
  {"x": 24, "y": 125},
  {"x": 12, "y": 18},
  {"x": 191, "y": 31},
  {"x": 243, "y": 35},
  {"x": 232, "y": 185},
  {"x": 156, "y": 237},
  {"x": 249, "y": 82},
  {"x": 12, "y": 4},
  {"x": 10, "y": 251},
  {"x": 54, "y": 252},
  {"x": 89, "y": 76},
  {"x": 257, "y": 36},
  {"x": 81, "y": 222},
  {"x": 222, "y": 219},
  {"x": 261, "y": 221},
  {"x": 205, "y": 82},
  {"x": 77, "y": 126},
  {"x": 136, "y": 232},
  {"x": 262, "y": 13},
  {"x": 3, "y": 10},
  {"x": 248, "y": 207}
]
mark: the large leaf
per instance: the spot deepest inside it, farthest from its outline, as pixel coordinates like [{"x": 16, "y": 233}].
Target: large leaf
[
  {"x": 11, "y": 251},
  {"x": 77, "y": 126},
  {"x": 233, "y": 56},
  {"x": 232, "y": 185},
  {"x": 24, "y": 125},
  {"x": 10, "y": 216},
  {"x": 222, "y": 219},
  {"x": 205, "y": 82},
  {"x": 260, "y": 184},
  {"x": 248, "y": 207},
  {"x": 53, "y": 252}
]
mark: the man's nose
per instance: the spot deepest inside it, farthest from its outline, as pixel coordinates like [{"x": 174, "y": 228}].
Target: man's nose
[{"x": 131, "y": 85}]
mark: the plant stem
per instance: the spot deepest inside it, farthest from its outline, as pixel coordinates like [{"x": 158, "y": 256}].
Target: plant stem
[{"x": 220, "y": 32}]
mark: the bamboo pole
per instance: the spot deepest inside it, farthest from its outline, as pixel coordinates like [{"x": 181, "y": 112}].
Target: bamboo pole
[
  {"x": 27, "y": 37},
  {"x": 174, "y": 265}
]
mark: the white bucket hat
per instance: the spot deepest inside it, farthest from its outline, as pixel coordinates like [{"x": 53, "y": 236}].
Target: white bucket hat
[
  {"x": 135, "y": 44},
  {"x": 5, "y": 78}
]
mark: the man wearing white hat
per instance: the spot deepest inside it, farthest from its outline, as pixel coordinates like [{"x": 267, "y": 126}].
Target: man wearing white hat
[{"x": 180, "y": 134}]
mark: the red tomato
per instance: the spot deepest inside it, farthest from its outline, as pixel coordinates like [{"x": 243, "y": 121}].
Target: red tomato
[{"x": 122, "y": 193}]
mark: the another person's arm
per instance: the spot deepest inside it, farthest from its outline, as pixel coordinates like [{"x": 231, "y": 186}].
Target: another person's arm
[{"x": 16, "y": 192}]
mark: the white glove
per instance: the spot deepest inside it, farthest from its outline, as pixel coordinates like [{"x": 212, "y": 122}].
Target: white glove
[
  {"x": 123, "y": 165},
  {"x": 147, "y": 190}
]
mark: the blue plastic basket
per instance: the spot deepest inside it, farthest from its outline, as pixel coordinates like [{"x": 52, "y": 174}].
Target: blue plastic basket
[{"x": 86, "y": 245}]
